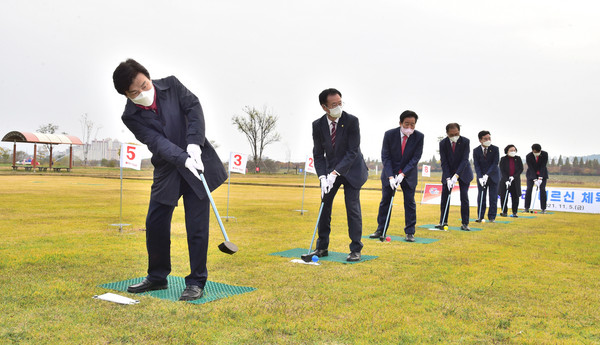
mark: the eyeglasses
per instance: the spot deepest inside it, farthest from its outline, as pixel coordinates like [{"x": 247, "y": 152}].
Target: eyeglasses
[{"x": 335, "y": 105}]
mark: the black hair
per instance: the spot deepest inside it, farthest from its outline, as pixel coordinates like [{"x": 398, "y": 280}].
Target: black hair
[
  {"x": 452, "y": 125},
  {"x": 482, "y": 134},
  {"x": 408, "y": 113},
  {"x": 326, "y": 93},
  {"x": 508, "y": 148},
  {"x": 536, "y": 147},
  {"x": 125, "y": 74}
]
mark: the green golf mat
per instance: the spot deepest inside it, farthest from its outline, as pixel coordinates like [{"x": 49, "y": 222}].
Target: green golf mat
[
  {"x": 333, "y": 256},
  {"x": 212, "y": 291},
  {"x": 401, "y": 239},
  {"x": 525, "y": 217},
  {"x": 432, "y": 226},
  {"x": 496, "y": 221}
]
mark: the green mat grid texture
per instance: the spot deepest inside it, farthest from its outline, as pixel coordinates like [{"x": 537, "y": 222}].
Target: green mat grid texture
[
  {"x": 212, "y": 290},
  {"x": 333, "y": 256},
  {"x": 457, "y": 228},
  {"x": 402, "y": 239}
]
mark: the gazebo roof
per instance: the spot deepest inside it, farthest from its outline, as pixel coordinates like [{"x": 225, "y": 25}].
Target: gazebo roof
[{"x": 41, "y": 138}]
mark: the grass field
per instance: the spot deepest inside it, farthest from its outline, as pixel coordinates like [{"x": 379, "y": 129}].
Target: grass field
[{"x": 534, "y": 281}]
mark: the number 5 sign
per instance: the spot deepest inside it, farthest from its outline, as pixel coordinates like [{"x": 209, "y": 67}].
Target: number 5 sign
[
  {"x": 237, "y": 162},
  {"x": 130, "y": 157},
  {"x": 309, "y": 166}
]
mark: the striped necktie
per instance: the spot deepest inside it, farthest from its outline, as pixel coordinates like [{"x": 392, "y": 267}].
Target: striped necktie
[{"x": 333, "y": 133}]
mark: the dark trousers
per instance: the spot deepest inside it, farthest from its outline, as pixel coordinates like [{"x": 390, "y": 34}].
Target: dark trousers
[
  {"x": 353, "y": 214},
  {"x": 158, "y": 237},
  {"x": 464, "y": 202},
  {"x": 410, "y": 207},
  {"x": 492, "y": 189},
  {"x": 515, "y": 196},
  {"x": 542, "y": 194}
]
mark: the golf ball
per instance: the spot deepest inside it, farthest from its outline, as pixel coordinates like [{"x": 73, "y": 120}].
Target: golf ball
[
  {"x": 315, "y": 258},
  {"x": 535, "y": 212},
  {"x": 389, "y": 239},
  {"x": 483, "y": 220},
  {"x": 446, "y": 227}
]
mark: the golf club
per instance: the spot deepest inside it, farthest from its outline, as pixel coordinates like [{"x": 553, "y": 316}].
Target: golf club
[
  {"x": 307, "y": 257},
  {"x": 505, "y": 200},
  {"x": 387, "y": 220},
  {"x": 443, "y": 220},
  {"x": 537, "y": 190},
  {"x": 226, "y": 247},
  {"x": 480, "y": 217}
]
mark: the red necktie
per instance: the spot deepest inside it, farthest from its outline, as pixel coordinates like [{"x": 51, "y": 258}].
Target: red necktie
[
  {"x": 333, "y": 133},
  {"x": 404, "y": 143},
  {"x": 485, "y": 152},
  {"x": 453, "y": 146}
]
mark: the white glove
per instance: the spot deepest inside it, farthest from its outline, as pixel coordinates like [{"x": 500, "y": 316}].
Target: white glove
[
  {"x": 195, "y": 153},
  {"x": 454, "y": 179},
  {"x": 507, "y": 184},
  {"x": 510, "y": 179},
  {"x": 399, "y": 179},
  {"x": 538, "y": 183},
  {"x": 450, "y": 184},
  {"x": 393, "y": 183},
  {"x": 324, "y": 185},
  {"x": 482, "y": 182},
  {"x": 192, "y": 166},
  {"x": 540, "y": 178},
  {"x": 485, "y": 178},
  {"x": 331, "y": 180}
]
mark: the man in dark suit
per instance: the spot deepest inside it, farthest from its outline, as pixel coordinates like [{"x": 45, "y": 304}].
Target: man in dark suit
[
  {"x": 511, "y": 167},
  {"x": 537, "y": 174},
  {"x": 454, "y": 157},
  {"x": 485, "y": 160},
  {"x": 338, "y": 161},
  {"x": 400, "y": 153},
  {"x": 168, "y": 118}
]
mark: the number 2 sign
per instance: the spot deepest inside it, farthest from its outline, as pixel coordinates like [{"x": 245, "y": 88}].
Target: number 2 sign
[
  {"x": 237, "y": 162},
  {"x": 309, "y": 166}
]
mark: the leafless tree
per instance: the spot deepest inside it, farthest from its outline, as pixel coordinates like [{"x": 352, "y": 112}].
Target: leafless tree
[
  {"x": 87, "y": 127},
  {"x": 259, "y": 128}
]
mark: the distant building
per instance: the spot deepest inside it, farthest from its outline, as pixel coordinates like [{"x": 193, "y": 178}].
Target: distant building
[{"x": 99, "y": 150}]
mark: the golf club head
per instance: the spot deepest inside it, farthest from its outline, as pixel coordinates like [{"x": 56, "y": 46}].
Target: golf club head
[
  {"x": 306, "y": 257},
  {"x": 228, "y": 248},
  {"x": 382, "y": 238}
]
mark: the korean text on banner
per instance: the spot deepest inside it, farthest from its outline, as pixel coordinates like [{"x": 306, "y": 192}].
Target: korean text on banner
[
  {"x": 237, "y": 162},
  {"x": 426, "y": 171},
  {"x": 309, "y": 166},
  {"x": 130, "y": 157}
]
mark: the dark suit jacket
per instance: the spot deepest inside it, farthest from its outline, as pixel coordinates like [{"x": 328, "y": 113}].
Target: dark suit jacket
[
  {"x": 487, "y": 165},
  {"x": 178, "y": 122},
  {"x": 456, "y": 162},
  {"x": 533, "y": 167},
  {"x": 394, "y": 161},
  {"x": 505, "y": 170},
  {"x": 346, "y": 158}
]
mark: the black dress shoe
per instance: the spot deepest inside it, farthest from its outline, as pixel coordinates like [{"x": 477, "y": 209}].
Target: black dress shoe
[
  {"x": 191, "y": 293},
  {"x": 410, "y": 238},
  {"x": 320, "y": 253},
  {"x": 503, "y": 215},
  {"x": 492, "y": 221},
  {"x": 353, "y": 256},
  {"x": 146, "y": 285},
  {"x": 465, "y": 227},
  {"x": 376, "y": 234},
  {"x": 515, "y": 215}
]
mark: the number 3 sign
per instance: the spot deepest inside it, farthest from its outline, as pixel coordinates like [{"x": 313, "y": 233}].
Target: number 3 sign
[
  {"x": 237, "y": 162},
  {"x": 130, "y": 157}
]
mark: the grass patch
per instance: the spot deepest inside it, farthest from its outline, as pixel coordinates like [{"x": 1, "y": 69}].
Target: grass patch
[{"x": 533, "y": 281}]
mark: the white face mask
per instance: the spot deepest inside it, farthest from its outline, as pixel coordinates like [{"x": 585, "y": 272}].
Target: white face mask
[
  {"x": 145, "y": 98},
  {"x": 454, "y": 138},
  {"x": 487, "y": 143},
  {"x": 512, "y": 153},
  {"x": 536, "y": 154},
  {"x": 336, "y": 112},
  {"x": 407, "y": 131}
]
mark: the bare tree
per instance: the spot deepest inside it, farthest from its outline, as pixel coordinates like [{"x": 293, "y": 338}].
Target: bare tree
[
  {"x": 87, "y": 127},
  {"x": 49, "y": 128},
  {"x": 259, "y": 128}
]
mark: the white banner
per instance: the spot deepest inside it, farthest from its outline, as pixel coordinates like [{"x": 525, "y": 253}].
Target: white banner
[
  {"x": 581, "y": 200},
  {"x": 237, "y": 162},
  {"x": 130, "y": 157},
  {"x": 426, "y": 172},
  {"x": 309, "y": 166}
]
